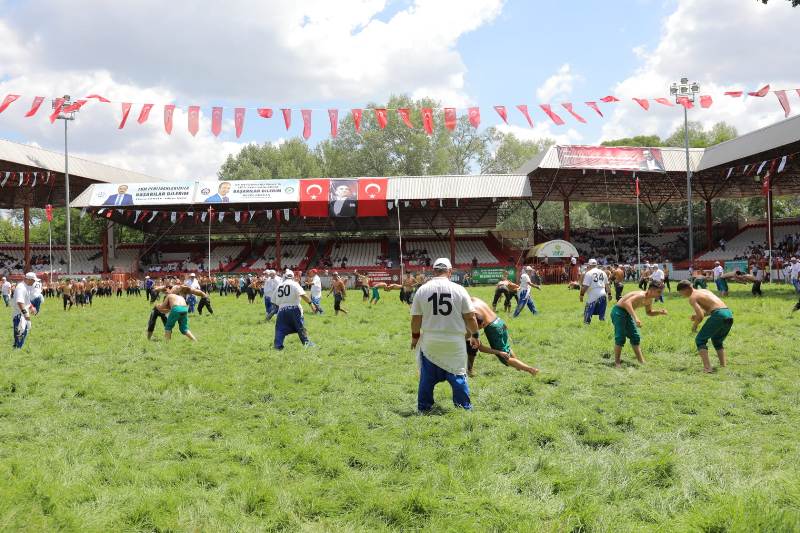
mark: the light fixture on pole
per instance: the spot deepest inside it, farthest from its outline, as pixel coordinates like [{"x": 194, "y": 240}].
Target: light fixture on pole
[
  {"x": 65, "y": 101},
  {"x": 685, "y": 92}
]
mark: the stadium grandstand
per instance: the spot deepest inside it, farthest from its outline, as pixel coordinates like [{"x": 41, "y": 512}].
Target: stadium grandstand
[{"x": 428, "y": 216}]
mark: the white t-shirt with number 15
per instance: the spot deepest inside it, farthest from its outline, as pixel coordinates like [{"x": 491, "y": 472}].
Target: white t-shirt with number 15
[{"x": 442, "y": 304}]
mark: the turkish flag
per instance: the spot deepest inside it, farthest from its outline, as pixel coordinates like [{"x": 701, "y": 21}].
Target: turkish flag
[
  {"x": 37, "y": 103},
  {"x": 194, "y": 119},
  {"x": 126, "y": 110},
  {"x": 523, "y": 108},
  {"x": 784, "y": 101},
  {"x": 664, "y": 101},
  {"x": 450, "y": 118},
  {"x": 474, "y": 114},
  {"x": 287, "y": 118},
  {"x": 734, "y": 94},
  {"x": 264, "y": 112},
  {"x": 216, "y": 121},
  {"x": 594, "y": 106},
  {"x": 762, "y": 92},
  {"x": 568, "y": 107},
  {"x": 553, "y": 116},
  {"x": 57, "y": 105},
  {"x": 405, "y": 116},
  {"x": 706, "y": 101},
  {"x": 685, "y": 102},
  {"x": 643, "y": 102},
  {"x": 314, "y": 195},
  {"x": 637, "y": 187},
  {"x": 306, "y": 113},
  {"x": 74, "y": 106},
  {"x": 380, "y": 116},
  {"x": 333, "y": 115},
  {"x": 372, "y": 197},
  {"x": 169, "y": 109},
  {"x": 357, "y": 119},
  {"x": 427, "y": 120},
  {"x": 144, "y": 114},
  {"x": 48, "y": 211},
  {"x": 765, "y": 184},
  {"x": 99, "y": 98},
  {"x": 609, "y": 99},
  {"x": 238, "y": 120},
  {"x": 501, "y": 110}
]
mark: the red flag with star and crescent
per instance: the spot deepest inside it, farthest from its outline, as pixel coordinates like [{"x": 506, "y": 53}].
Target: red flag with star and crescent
[
  {"x": 372, "y": 197},
  {"x": 314, "y": 195}
]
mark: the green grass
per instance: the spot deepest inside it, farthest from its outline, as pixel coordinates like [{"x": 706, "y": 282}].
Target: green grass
[{"x": 101, "y": 430}]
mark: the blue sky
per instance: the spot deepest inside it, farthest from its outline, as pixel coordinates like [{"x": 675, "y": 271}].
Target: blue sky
[{"x": 344, "y": 54}]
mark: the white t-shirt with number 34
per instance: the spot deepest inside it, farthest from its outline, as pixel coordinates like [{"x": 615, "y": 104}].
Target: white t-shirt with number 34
[{"x": 442, "y": 304}]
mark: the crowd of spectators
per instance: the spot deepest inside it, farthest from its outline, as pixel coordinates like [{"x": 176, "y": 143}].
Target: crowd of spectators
[{"x": 418, "y": 257}]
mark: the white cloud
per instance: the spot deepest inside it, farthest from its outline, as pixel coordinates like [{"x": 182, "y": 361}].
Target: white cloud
[
  {"x": 723, "y": 48},
  {"x": 543, "y": 130},
  {"x": 272, "y": 52},
  {"x": 559, "y": 84}
]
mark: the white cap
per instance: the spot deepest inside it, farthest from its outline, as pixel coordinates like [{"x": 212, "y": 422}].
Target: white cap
[
  {"x": 442, "y": 263},
  {"x": 593, "y": 262},
  {"x": 31, "y": 275},
  {"x": 716, "y": 262},
  {"x": 147, "y": 277},
  {"x": 289, "y": 274},
  {"x": 528, "y": 267},
  {"x": 192, "y": 275}
]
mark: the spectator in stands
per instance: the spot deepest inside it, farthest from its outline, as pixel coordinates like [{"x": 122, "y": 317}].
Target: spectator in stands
[{"x": 722, "y": 244}]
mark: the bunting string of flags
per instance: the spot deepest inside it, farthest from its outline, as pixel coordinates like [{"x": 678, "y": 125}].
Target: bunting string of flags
[
  {"x": 428, "y": 116},
  {"x": 22, "y": 179}
]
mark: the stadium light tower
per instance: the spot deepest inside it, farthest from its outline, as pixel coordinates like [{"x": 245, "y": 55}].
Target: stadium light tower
[
  {"x": 687, "y": 91},
  {"x": 66, "y": 117}
]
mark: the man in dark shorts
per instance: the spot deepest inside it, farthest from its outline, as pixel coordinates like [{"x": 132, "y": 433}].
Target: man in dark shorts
[
  {"x": 717, "y": 327},
  {"x": 496, "y": 333},
  {"x": 339, "y": 291}
]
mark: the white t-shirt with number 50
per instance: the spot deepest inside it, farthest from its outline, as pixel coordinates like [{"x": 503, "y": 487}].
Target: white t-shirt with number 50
[
  {"x": 442, "y": 304},
  {"x": 287, "y": 294}
]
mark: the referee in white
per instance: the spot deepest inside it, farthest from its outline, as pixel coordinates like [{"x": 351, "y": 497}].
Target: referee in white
[{"x": 443, "y": 311}]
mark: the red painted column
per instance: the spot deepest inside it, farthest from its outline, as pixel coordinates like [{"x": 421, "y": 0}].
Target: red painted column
[
  {"x": 709, "y": 227},
  {"x": 278, "y": 238},
  {"x": 770, "y": 215},
  {"x": 104, "y": 244},
  {"x": 452, "y": 245},
  {"x": 26, "y": 224},
  {"x": 566, "y": 219}
]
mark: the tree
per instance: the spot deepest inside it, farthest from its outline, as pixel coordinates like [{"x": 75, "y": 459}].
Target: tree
[
  {"x": 505, "y": 153},
  {"x": 290, "y": 159},
  {"x": 795, "y": 3},
  {"x": 638, "y": 140},
  {"x": 395, "y": 150}
]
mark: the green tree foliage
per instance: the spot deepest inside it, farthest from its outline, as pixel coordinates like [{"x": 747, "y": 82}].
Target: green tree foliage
[
  {"x": 290, "y": 159},
  {"x": 795, "y": 3}
]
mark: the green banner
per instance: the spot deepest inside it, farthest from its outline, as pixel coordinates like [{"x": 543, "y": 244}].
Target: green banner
[
  {"x": 491, "y": 275},
  {"x": 733, "y": 266}
]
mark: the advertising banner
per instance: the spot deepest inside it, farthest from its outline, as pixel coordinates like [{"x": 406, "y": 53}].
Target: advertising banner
[
  {"x": 246, "y": 191},
  {"x": 110, "y": 195},
  {"x": 491, "y": 275},
  {"x": 612, "y": 158}
]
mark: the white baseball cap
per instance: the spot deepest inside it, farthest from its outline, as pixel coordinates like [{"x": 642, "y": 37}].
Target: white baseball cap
[
  {"x": 31, "y": 275},
  {"x": 716, "y": 262},
  {"x": 528, "y": 267},
  {"x": 192, "y": 275},
  {"x": 289, "y": 274},
  {"x": 442, "y": 263},
  {"x": 593, "y": 262}
]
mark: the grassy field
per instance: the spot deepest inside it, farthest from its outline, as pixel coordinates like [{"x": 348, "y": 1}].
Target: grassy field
[{"x": 101, "y": 430}]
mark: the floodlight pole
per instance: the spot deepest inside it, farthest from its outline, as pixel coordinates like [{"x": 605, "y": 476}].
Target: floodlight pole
[
  {"x": 684, "y": 93},
  {"x": 66, "y": 117},
  {"x": 689, "y": 186}
]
